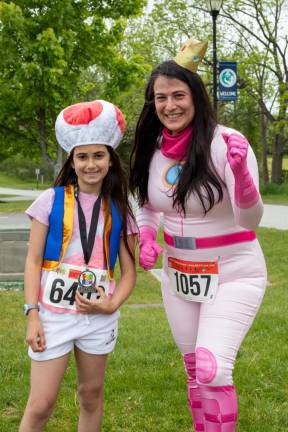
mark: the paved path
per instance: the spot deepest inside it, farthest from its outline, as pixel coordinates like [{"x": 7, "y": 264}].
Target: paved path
[
  {"x": 19, "y": 194},
  {"x": 275, "y": 216}
]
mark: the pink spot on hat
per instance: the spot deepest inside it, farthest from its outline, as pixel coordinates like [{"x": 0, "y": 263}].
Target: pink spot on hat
[
  {"x": 120, "y": 119},
  {"x": 82, "y": 113}
]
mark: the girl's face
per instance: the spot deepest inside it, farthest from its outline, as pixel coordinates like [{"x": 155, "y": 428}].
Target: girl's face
[
  {"x": 174, "y": 103},
  {"x": 91, "y": 163}
]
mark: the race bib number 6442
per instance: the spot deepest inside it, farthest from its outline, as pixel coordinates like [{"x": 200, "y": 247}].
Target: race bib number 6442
[
  {"x": 62, "y": 284},
  {"x": 194, "y": 280}
]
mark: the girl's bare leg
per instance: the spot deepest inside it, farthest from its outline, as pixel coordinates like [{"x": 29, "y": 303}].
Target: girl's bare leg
[
  {"x": 91, "y": 372},
  {"x": 46, "y": 377}
]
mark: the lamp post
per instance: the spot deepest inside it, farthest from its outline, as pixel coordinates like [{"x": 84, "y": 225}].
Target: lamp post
[{"x": 214, "y": 7}]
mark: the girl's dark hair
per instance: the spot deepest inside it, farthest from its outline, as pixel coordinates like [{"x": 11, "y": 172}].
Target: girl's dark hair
[
  {"x": 114, "y": 187},
  {"x": 198, "y": 171}
]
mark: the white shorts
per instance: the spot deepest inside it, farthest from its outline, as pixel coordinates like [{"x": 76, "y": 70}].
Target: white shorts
[{"x": 93, "y": 334}]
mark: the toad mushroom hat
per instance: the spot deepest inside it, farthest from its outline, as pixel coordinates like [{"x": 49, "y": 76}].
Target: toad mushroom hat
[{"x": 94, "y": 122}]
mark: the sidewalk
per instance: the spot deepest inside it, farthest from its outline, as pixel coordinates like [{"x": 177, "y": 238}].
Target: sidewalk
[
  {"x": 19, "y": 194},
  {"x": 275, "y": 216},
  {"x": 14, "y": 233}
]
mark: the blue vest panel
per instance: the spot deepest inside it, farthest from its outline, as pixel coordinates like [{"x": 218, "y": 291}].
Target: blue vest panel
[{"x": 55, "y": 233}]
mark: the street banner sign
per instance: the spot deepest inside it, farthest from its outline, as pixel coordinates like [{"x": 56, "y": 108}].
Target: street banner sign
[{"x": 228, "y": 81}]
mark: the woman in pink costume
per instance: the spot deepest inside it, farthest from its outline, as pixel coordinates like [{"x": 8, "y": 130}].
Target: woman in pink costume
[{"x": 203, "y": 178}]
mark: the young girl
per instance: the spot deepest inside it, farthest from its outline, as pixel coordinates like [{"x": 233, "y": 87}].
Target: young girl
[{"x": 78, "y": 229}]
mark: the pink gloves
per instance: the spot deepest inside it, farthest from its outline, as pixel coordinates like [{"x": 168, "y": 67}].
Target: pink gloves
[
  {"x": 246, "y": 193},
  {"x": 149, "y": 248},
  {"x": 237, "y": 149}
]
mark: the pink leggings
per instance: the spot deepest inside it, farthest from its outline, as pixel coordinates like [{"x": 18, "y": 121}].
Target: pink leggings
[{"x": 209, "y": 337}]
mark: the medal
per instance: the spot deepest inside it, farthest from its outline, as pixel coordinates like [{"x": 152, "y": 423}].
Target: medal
[
  {"x": 87, "y": 242},
  {"x": 87, "y": 282},
  {"x": 87, "y": 278}
]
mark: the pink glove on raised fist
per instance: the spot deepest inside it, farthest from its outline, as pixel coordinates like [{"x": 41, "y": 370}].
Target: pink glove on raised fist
[
  {"x": 149, "y": 248},
  {"x": 237, "y": 149},
  {"x": 246, "y": 193}
]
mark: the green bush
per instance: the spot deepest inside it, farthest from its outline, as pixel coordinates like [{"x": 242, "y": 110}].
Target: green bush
[{"x": 275, "y": 189}]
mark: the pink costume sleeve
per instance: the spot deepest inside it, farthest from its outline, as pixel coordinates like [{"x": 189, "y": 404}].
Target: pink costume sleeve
[
  {"x": 40, "y": 209},
  {"x": 244, "y": 193},
  {"x": 148, "y": 218}
]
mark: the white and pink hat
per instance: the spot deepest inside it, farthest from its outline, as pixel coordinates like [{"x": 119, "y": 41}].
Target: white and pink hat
[{"x": 95, "y": 122}]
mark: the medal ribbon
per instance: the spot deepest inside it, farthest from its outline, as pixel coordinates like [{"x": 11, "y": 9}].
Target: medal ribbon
[{"x": 88, "y": 243}]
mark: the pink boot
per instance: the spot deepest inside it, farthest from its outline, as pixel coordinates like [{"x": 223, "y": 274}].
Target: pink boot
[
  {"x": 194, "y": 397},
  {"x": 220, "y": 408}
]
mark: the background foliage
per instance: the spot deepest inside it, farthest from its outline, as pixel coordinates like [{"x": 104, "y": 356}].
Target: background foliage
[{"x": 62, "y": 52}]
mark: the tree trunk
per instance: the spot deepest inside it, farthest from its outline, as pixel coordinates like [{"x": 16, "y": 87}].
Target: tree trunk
[
  {"x": 277, "y": 159},
  {"x": 43, "y": 138},
  {"x": 59, "y": 162},
  {"x": 263, "y": 141}
]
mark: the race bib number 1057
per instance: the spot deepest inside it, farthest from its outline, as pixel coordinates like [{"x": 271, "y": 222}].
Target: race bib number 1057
[{"x": 194, "y": 280}]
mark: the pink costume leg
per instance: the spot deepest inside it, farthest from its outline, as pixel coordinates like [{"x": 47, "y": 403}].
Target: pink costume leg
[
  {"x": 222, "y": 328},
  {"x": 183, "y": 318},
  {"x": 194, "y": 396},
  {"x": 220, "y": 408}
]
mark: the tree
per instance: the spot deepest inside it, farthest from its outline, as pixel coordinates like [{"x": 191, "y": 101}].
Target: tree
[
  {"x": 46, "y": 47},
  {"x": 259, "y": 24},
  {"x": 252, "y": 33}
]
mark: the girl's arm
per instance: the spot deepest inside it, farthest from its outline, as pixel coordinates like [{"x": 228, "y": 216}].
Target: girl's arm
[
  {"x": 32, "y": 277},
  {"x": 106, "y": 304}
]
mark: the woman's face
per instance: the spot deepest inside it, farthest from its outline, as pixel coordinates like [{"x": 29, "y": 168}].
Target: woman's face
[
  {"x": 174, "y": 103},
  {"x": 91, "y": 163}
]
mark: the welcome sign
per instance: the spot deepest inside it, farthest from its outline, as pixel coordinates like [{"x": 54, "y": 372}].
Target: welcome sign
[{"x": 228, "y": 81}]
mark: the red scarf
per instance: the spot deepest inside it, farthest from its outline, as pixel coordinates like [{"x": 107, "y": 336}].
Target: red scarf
[{"x": 175, "y": 146}]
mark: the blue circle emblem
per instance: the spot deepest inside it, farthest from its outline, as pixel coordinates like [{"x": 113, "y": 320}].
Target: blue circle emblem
[
  {"x": 228, "y": 78},
  {"x": 172, "y": 174}
]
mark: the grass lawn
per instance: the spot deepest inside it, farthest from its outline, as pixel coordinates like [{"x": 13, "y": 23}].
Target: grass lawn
[
  {"x": 275, "y": 199},
  {"x": 11, "y": 181},
  {"x": 145, "y": 382},
  {"x": 275, "y": 194},
  {"x": 14, "y": 206}
]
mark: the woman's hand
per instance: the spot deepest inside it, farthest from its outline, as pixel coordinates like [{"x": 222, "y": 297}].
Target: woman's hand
[
  {"x": 35, "y": 334},
  {"x": 237, "y": 149},
  {"x": 103, "y": 305},
  {"x": 149, "y": 249},
  {"x": 149, "y": 252}
]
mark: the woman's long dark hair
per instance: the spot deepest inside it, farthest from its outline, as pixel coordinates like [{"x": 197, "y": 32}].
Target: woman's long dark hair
[
  {"x": 114, "y": 187},
  {"x": 198, "y": 171}
]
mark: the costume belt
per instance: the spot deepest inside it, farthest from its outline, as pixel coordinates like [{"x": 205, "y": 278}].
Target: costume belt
[{"x": 193, "y": 243}]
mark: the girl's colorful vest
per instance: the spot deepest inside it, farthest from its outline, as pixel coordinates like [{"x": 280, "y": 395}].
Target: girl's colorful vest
[{"x": 61, "y": 226}]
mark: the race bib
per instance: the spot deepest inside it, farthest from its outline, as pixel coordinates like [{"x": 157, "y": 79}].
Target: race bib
[
  {"x": 62, "y": 284},
  {"x": 195, "y": 281}
]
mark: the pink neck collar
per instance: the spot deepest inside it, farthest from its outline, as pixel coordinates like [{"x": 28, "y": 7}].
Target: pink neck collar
[{"x": 175, "y": 146}]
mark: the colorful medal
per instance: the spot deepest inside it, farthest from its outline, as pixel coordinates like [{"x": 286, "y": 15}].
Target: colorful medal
[{"x": 87, "y": 282}]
